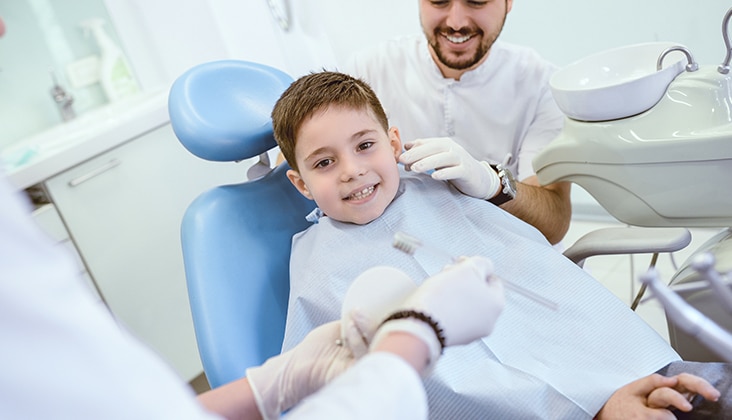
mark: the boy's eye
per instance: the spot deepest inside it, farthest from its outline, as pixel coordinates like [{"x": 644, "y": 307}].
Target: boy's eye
[
  {"x": 365, "y": 145},
  {"x": 323, "y": 163}
]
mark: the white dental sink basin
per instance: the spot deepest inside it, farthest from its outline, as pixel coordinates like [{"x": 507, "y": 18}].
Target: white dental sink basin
[
  {"x": 669, "y": 166},
  {"x": 615, "y": 83},
  {"x": 35, "y": 158}
]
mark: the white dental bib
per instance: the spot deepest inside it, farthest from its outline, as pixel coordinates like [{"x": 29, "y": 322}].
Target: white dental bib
[{"x": 537, "y": 363}]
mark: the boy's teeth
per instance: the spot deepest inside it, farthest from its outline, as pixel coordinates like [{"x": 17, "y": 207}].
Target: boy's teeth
[
  {"x": 363, "y": 193},
  {"x": 457, "y": 39}
]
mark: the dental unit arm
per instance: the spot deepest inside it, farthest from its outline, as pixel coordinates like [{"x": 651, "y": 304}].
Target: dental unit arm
[
  {"x": 689, "y": 319},
  {"x": 661, "y": 166}
]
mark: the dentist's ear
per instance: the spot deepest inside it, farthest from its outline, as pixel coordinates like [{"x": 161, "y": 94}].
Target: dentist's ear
[
  {"x": 298, "y": 182},
  {"x": 396, "y": 142}
]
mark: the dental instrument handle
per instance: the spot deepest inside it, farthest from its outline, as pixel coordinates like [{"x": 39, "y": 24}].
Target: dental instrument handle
[
  {"x": 688, "y": 318},
  {"x": 704, "y": 265},
  {"x": 409, "y": 245}
]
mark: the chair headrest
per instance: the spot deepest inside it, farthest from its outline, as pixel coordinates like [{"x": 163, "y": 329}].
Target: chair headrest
[{"x": 220, "y": 110}]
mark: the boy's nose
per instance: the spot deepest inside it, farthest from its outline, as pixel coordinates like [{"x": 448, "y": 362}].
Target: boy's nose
[{"x": 352, "y": 168}]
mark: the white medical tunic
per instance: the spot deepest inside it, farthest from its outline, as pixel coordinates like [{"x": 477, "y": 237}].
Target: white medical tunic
[
  {"x": 62, "y": 355},
  {"x": 503, "y": 106},
  {"x": 537, "y": 363}
]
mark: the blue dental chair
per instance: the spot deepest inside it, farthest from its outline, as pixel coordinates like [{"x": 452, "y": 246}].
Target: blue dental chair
[{"x": 236, "y": 238}]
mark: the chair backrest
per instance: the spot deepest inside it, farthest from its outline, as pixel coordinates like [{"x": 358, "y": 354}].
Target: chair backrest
[{"x": 236, "y": 239}]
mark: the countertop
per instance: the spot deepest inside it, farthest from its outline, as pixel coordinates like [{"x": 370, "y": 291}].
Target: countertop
[{"x": 36, "y": 158}]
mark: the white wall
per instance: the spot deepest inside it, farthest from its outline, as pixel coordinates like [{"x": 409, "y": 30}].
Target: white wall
[
  {"x": 566, "y": 30},
  {"x": 174, "y": 35}
]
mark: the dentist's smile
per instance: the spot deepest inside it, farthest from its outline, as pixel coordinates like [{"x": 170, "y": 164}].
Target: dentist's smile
[{"x": 458, "y": 39}]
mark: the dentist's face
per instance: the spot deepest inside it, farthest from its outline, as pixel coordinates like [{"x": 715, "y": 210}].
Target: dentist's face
[
  {"x": 461, "y": 32},
  {"x": 347, "y": 164}
]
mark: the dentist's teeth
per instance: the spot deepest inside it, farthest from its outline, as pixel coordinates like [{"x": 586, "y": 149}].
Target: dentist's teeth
[
  {"x": 362, "y": 194},
  {"x": 457, "y": 39}
]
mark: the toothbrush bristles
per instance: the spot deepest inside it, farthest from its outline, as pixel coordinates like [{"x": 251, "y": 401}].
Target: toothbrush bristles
[{"x": 406, "y": 243}]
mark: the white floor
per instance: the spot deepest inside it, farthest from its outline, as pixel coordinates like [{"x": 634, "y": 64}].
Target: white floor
[{"x": 619, "y": 273}]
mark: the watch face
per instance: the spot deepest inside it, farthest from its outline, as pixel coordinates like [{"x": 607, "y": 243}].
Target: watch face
[{"x": 508, "y": 181}]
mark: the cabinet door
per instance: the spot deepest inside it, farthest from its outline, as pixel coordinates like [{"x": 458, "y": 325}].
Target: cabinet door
[{"x": 123, "y": 210}]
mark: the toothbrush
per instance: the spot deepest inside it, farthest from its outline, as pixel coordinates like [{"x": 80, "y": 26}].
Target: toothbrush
[{"x": 409, "y": 245}]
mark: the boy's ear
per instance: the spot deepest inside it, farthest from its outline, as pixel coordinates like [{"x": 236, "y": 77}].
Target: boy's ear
[
  {"x": 395, "y": 141},
  {"x": 297, "y": 181}
]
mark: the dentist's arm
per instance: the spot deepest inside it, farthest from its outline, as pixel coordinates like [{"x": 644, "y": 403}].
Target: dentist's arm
[
  {"x": 548, "y": 208},
  {"x": 283, "y": 380},
  {"x": 389, "y": 375}
]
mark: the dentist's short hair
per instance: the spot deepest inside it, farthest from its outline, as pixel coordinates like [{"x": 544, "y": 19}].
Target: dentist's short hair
[{"x": 317, "y": 92}]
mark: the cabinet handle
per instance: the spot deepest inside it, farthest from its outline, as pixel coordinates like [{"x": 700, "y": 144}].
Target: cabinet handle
[{"x": 89, "y": 175}]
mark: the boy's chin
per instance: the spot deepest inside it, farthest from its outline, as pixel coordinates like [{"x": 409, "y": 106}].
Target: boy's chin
[{"x": 365, "y": 219}]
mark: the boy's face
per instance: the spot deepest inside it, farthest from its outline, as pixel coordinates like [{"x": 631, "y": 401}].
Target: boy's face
[{"x": 348, "y": 164}]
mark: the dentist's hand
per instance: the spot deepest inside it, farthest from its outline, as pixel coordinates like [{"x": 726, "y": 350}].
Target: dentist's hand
[
  {"x": 462, "y": 302},
  {"x": 451, "y": 162},
  {"x": 284, "y": 380},
  {"x": 372, "y": 296}
]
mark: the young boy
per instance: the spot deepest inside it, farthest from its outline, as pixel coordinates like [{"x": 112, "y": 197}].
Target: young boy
[{"x": 538, "y": 363}]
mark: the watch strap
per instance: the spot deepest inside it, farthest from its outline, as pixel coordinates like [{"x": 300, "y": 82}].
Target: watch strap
[{"x": 505, "y": 194}]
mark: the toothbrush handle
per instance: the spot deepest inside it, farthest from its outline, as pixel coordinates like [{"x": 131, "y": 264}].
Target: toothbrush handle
[{"x": 531, "y": 295}]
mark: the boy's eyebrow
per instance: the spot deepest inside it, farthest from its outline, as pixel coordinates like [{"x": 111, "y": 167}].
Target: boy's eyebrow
[{"x": 355, "y": 136}]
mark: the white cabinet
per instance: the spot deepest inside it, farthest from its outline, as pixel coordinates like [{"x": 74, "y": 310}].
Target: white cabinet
[
  {"x": 50, "y": 222},
  {"x": 123, "y": 211}
]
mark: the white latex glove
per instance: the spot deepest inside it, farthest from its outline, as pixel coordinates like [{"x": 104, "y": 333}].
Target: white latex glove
[
  {"x": 284, "y": 380},
  {"x": 464, "y": 299},
  {"x": 451, "y": 162},
  {"x": 369, "y": 300}
]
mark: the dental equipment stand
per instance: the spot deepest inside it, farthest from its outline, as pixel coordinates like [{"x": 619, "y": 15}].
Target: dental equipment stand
[
  {"x": 686, "y": 317},
  {"x": 665, "y": 166}
]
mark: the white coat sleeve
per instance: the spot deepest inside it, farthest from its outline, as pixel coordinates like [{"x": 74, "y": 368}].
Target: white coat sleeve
[
  {"x": 379, "y": 386},
  {"x": 63, "y": 356}
]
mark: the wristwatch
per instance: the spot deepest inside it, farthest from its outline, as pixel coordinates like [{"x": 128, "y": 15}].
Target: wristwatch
[{"x": 508, "y": 183}]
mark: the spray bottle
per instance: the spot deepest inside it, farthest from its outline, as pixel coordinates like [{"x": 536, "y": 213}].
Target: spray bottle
[{"x": 115, "y": 73}]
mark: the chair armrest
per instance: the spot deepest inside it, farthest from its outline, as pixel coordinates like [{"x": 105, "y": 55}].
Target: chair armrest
[{"x": 627, "y": 240}]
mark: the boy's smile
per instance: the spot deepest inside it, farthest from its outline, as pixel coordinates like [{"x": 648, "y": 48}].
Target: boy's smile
[{"x": 348, "y": 164}]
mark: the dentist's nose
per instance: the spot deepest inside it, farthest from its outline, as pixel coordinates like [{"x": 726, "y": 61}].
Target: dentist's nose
[{"x": 457, "y": 16}]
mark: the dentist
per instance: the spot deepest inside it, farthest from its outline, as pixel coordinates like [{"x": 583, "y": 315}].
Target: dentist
[{"x": 477, "y": 110}]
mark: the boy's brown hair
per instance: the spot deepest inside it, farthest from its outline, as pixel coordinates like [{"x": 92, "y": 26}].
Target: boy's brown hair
[{"x": 314, "y": 93}]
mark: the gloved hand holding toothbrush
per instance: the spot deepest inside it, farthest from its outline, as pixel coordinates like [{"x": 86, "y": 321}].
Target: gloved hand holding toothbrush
[
  {"x": 451, "y": 162},
  {"x": 454, "y": 307}
]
